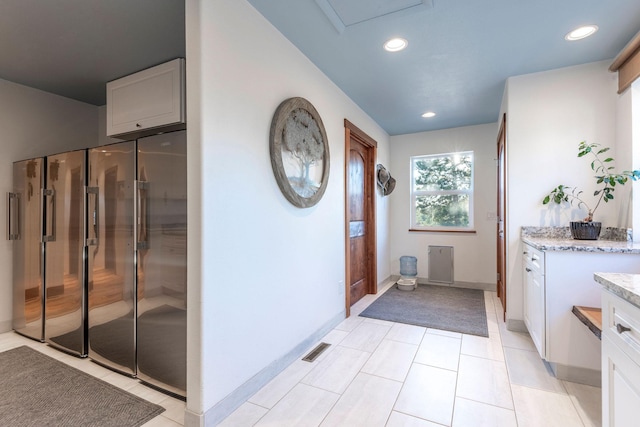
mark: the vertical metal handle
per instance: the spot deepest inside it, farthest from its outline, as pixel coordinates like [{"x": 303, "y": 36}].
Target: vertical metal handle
[
  {"x": 93, "y": 212},
  {"x": 142, "y": 220},
  {"x": 13, "y": 216},
  {"x": 50, "y": 222}
]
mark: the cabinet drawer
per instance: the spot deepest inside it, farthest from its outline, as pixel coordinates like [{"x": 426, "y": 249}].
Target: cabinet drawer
[
  {"x": 534, "y": 258},
  {"x": 621, "y": 324}
]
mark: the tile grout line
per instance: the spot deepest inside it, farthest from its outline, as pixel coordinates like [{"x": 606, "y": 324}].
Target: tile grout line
[{"x": 513, "y": 400}]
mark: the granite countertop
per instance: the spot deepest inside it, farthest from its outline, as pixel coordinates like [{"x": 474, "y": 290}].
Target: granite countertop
[
  {"x": 611, "y": 240},
  {"x": 626, "y": 286}
]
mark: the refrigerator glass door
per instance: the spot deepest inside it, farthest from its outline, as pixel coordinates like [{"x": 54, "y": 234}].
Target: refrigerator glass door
[
  {"x": 111, "y": 256},
  {"x": 162, "y": 261},
  {"x": 25, "y": 230},
  {"x": 64, "y": 209}
]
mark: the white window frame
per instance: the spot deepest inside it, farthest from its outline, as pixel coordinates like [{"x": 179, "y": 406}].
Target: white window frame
[{"x": 414, "y": 194}]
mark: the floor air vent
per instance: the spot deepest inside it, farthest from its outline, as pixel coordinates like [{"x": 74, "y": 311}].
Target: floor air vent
[{"x": 313, "y": 355}]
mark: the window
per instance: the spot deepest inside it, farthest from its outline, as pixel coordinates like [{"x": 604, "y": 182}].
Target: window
[{"x": 442, "y": 192}]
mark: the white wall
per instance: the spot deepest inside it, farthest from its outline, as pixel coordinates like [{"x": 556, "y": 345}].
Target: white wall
[
  {"x": 474, "y": 254},
  {"x": 266, "y": 275},
  {"x": 548, "y": 114},
  {"x": 628, "y": 142},
  {"x": 34, "y": 123}
]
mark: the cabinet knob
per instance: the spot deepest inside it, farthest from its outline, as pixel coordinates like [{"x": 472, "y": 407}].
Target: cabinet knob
[{"x": 621, "y": 328}]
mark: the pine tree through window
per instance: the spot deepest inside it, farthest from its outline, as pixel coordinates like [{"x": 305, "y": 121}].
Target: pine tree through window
[{"x": 442, "y": 192}]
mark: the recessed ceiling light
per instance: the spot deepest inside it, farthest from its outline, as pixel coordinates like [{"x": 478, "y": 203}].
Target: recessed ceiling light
[
  {"x": 581, "y": 32},
  {"x": 396, "y": 44},
  {"x": 428, "y": 114}
]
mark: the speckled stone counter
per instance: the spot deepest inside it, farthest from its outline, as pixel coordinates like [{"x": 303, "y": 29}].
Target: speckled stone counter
[
  {"x": 626, "y": 286},
  {"x": 612, "y": 240}
]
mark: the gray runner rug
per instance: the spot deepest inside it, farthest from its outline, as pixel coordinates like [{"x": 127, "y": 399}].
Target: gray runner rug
[
  {"x": 40, "y": 391},
  {"x": 439, "y": 307}
]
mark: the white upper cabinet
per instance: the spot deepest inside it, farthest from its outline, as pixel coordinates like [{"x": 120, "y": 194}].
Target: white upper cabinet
[{"x": 149, "y": 99}]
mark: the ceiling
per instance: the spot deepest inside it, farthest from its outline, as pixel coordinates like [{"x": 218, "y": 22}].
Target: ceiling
[
  {"x": 460, "y": 52},
  {"x": 73, "y": 47},
  {"x": 459, "y": 55}
]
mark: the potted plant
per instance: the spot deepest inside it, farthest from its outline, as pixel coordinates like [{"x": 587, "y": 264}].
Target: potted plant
[{"x": 606, "y": 179}]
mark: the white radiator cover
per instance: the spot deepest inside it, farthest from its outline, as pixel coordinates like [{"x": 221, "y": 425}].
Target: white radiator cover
[{"x": 441, "y": 264}]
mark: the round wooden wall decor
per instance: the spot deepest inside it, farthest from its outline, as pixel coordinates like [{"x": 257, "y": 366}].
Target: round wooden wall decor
[{"x": 299, "y": 152}]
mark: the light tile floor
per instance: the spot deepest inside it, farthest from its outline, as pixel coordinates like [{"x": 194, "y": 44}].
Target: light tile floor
[
  {"x": 173, "y": 416},
  {"x": 379, "y": 373}
]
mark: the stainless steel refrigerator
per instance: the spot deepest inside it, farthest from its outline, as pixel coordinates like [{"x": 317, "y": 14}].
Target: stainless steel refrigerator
[
  {"x": 64, "y": 236},
  {"x": 137, "y": 263},
  {"x": 24, "y": 229},
  {"x": 100, "y": 262},
  {"x": 161, "y": 238},
  {"x": 111, "y": 256}
]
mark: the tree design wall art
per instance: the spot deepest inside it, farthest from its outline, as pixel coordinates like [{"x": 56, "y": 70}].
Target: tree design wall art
[{"x": 299, "y": 152}]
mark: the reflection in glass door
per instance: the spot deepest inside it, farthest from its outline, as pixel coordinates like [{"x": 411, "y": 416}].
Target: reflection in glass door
[
  {"x": 162, "y": 261},
  {"x": 64, "y": 207},
  {"x": 25, "y": 230},
  {"x": 111, "y": 256}
]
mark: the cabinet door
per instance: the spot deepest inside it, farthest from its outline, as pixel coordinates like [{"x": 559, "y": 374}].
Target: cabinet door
[
  {"x": 534, "y": 297},
  {"x": 536, "y": 290},
  {"x": 620, "y": 382},
  {"x": 148, "y": 99}
]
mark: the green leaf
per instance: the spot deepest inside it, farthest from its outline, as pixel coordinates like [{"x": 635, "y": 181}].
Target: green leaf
[
  {"x": 595, "y": 193},
  {"x": 608, "y": 159},
  {"x": 600, "y": 179},
  {"x": 546, "y": 200},
  {"x": 604, "y": 150}
]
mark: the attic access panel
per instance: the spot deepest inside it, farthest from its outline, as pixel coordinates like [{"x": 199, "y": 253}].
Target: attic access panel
[{"x": 346, "y": 13}]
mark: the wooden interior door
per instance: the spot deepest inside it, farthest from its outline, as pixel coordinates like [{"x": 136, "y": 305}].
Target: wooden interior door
[
  {"x": 361, "y": 272},
  {"x": 358, "y": 281},
  {"x": 501, "y": 219}
]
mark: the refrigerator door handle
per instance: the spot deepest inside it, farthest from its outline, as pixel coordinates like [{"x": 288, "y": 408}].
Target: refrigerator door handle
[
  {"x": 13, "y": 216},
  {"x": 92, "y": 238},
  {"x": 142, "y": 220},
  {"x": 50, "y": 223}
]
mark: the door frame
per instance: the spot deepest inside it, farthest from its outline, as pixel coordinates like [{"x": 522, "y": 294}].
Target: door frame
[
  {"x": 501, "y": 225},
  {"x": 353, "y": 132}
]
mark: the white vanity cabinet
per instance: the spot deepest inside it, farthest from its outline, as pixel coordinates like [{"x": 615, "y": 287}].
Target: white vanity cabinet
[
  {"x": 534, "y": 296},
  {"x": 555, "y": 281},
  {"x": 620, "y": 361},
  {"x": 150, "y": 99}
]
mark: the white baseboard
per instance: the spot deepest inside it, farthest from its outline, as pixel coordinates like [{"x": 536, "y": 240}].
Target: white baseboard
[
  {"x": 516, "y": 325},
  {"x": 455, "y": 284},
  {"x": 576, "y": 374},
  {"x": 226, "y": 406},
  {"x": 6, "y": 326}
]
